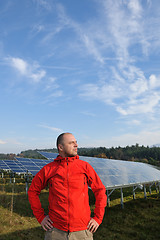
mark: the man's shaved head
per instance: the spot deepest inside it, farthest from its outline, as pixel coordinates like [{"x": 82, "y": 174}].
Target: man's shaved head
[
  {"x": 67, "y": 145},
  {"x": 60, "y": 138}
]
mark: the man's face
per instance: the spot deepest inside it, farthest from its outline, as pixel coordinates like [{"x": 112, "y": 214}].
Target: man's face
[{"x": 69, "y": 146}]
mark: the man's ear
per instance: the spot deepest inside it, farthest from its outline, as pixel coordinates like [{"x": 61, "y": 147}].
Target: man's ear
[{"x": 60, "y": 147}]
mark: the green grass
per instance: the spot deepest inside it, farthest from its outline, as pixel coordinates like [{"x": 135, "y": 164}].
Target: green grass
[{"x": 140, "y": 218}]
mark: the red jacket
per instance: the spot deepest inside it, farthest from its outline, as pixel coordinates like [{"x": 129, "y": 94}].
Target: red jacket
[{"x": 68, "y": 180}]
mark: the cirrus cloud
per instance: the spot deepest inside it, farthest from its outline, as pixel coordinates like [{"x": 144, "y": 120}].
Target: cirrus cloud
[
  {"x": 31, "y": 71},
  {"x": 54, "y": 129}
]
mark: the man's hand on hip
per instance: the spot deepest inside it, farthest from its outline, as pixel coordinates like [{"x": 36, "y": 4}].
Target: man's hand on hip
[
  {"x": 92, "y": 225},
  {"x": 47, "y": 223}
]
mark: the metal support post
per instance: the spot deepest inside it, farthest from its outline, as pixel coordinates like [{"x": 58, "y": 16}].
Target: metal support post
[
  {"x": 134, "y": 189},
  {"x": 122, "y": 205},
  {"x": 10, "y": 179},
  {"x": 27, "y": 181},
  {"x": 108, "y": 196},
  {"x": 108, "y": 199},
  {"x": 150, "y": 186},
  {"x": 145, "y": 194},
  {"x": 26, "y": 187}
]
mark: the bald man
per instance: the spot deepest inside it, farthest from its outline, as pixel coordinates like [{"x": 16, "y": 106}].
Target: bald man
[{"x": 69, "y": 216}]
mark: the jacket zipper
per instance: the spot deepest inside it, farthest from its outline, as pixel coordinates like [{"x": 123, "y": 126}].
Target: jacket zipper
[{"x": 68, "y": 193}]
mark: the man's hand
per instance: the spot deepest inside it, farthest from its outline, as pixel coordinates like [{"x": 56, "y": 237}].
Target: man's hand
[
  {"x": 92, "y": 225},
  {"x": 47, "y": 223}
]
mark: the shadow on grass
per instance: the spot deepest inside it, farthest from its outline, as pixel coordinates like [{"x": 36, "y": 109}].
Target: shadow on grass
[{"x": 28, "y": 234}]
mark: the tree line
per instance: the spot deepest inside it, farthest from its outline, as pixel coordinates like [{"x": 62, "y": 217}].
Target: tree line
[{"x": 135, "y": 153}]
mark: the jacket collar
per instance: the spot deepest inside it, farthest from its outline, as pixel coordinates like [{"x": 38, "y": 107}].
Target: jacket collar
[{"x": 67, "y": 159}]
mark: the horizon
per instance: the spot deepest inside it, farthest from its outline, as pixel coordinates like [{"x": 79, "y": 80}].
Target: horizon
[{"x": 42, "y": 149}]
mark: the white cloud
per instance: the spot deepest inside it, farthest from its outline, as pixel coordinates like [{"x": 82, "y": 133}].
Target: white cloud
[
  {"x": 51, "y": 84},
  {"x": 2, "y": 142},
  {"x": 14, "y": 148},
  {"x": 139, "y": 86},
  {"x": 11, "y": 145},
  {"x": 44, "y": 4},
  {"x": 154, "y": 81},
  {"x": 103, "y": 92},
  {"x": 134, "y": 122},
  {"x": 92, "y": 48},
  {"x": 143, "y": 138},
  {"x": 38, "y": 28},
  {"x": 55, "y": 94},
  {"x": 31, "y": 71},
  {"x": 88, "y": 38},
  {"x": 135, "y": 7},
  {"x": 121, "y": 111},
  {"x": 20, "y": 65},
  {"x": 125, "y": 87},
  {"x": 14, "y": 142},
  {"x": 144, "y": 105},
  {"x": 38, "y": 75},
  {"x": 135, "y": 97},
  {"x": 146, "y": 138},
  {"x": 54, "y": 129},
  {"x": 88, "y": 114}
]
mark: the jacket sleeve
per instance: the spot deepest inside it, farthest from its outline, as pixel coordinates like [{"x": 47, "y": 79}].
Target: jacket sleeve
[
  {"x": 99, "y": 191},
  {"x": 38, "y": 183}
]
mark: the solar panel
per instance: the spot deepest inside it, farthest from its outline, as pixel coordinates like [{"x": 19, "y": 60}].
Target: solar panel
[
  {"x": 3, "y": 165},
  {"x": 119, "y": 173},
  {"x": 22, "y": 165},
  {"x": 48, "y": 155},
  {"x": 12, "y": 165},
  {"x": 32, "y": 165}
]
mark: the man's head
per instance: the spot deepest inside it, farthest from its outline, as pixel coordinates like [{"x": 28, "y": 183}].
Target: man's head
[{"x": 67, "y": 145}]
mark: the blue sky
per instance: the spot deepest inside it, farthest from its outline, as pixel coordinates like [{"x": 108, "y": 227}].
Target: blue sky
[{"x": 90, "y": 67}]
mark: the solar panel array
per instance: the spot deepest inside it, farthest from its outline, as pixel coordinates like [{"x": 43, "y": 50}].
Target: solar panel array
[
  {"x": 12, "y": 165},
  {"x": 23, "y": 165},
  {"x": 118, "y": 173},
  {"x": 32, "y": 165},
  {"x": 113, "y": 173}
]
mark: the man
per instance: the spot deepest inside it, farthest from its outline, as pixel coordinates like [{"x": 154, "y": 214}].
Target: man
[{"x": 68, "y": 178}]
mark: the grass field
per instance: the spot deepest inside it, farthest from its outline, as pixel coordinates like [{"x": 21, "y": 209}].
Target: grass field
[{"x": 139, "y": 220}]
